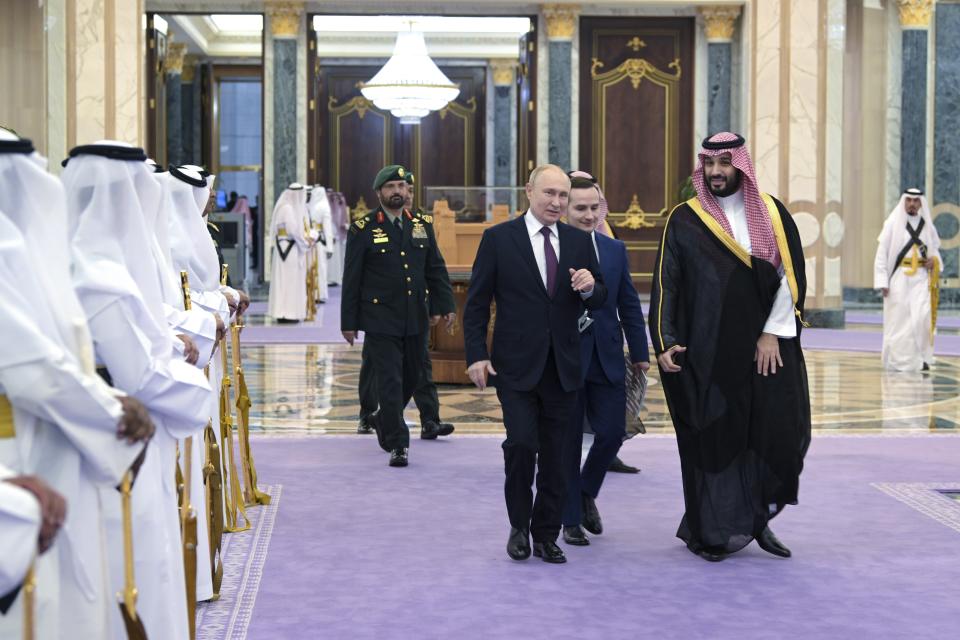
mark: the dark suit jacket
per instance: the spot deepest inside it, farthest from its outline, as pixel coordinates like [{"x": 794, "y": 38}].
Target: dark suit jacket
[
  {"x": 606, "y": 332},
  {"x": 528, "y": 322}
]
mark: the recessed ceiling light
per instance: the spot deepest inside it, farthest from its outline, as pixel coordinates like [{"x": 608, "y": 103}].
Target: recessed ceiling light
[{"x": 423, "y": 24}]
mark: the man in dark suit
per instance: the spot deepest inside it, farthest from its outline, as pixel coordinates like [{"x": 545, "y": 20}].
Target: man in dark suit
[
  {"x": 541, "y": 273},
  {"x": 392, "y": 269},
  {"x": 602, "y": 399}
]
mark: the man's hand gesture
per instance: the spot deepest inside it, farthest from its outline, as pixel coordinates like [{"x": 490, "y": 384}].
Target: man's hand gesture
[{"x": 478, "y": 372}]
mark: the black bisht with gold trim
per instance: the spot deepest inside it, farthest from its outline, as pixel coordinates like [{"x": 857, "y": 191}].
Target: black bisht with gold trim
[{"x": 742, "y": 436}]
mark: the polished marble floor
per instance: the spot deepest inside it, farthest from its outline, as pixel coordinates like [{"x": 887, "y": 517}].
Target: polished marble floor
[{"x": 311, "y": 389}]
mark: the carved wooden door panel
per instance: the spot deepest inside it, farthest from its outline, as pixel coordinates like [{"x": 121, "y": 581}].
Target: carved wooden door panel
[{"x": 636, "y": 123}]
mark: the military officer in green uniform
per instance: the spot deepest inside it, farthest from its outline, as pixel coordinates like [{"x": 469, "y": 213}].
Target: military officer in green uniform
[
  {"x": 393, "y": 270},
  {"x": 425, "y": 395}
]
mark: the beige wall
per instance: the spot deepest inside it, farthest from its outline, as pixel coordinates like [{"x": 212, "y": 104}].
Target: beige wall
[
  {"x": 22, "y": 67},
  {"x": 77, "y": 81}
]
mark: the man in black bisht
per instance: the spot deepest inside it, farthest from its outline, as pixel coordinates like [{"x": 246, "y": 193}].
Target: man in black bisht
[{"x": 725, "y": 319}]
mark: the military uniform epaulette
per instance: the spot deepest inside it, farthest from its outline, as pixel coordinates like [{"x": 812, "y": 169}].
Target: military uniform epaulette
[
  {"x": 360, "y": 223},
  {"x": 423, "y": 216}
]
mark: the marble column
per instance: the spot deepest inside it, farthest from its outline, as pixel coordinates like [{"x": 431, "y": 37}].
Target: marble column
[
  {"x": 720, "y": 23},
  {"x": 946, "y": 136},
  {"x": 285, "y": 22},
  {"x": 503, "y": 79},
  {"x": 190, "y": 144},
  {"x": 561, "y": 21},
  {"x": 915, "y": 22},
  {"x": 795, "y": 137},
  {"x": 94, "y": 65},
  {"x": 173, "y": 68}
]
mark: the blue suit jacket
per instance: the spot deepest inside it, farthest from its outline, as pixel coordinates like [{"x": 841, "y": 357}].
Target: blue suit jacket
[{"x": 605, "y": 334}]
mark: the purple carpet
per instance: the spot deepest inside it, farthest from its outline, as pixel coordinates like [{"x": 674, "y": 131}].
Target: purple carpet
[
  {"x": 324, "y": 329},
  {"x": 869, "y": 341},
  {"x": 360, "y": 550},
  {"x": 867, "y": 317}
]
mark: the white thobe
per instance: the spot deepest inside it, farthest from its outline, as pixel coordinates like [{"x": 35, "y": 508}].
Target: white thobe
[
  {"x": 907, "y": 340},
  {"x": 172, "y": 391},
  {"x": 19, "y": 529},
  {"x": 288, "y": 292},
  {"x": 782, "y": 320},
  {"x": 66, "y": 433}
]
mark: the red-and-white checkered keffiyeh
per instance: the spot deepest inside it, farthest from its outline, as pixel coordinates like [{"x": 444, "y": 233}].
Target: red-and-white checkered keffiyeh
[{"x": 763, "y": 244}]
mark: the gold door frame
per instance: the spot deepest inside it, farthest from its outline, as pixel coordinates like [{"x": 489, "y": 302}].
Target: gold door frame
[
  {"x": 361, "y": 106},
  {"x": 467, "y": 115}
]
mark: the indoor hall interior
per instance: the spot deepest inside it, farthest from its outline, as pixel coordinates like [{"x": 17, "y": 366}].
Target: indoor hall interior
[{"x": 844, "y": 106}]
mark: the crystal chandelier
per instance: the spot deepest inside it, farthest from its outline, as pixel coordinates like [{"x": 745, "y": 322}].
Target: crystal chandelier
[{"x": 410, "y": 85}]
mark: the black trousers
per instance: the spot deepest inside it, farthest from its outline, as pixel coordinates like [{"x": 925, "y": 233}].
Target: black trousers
[
  {"x": 536, "y": 423},
  {"x": 604, "y": 405},
  {"x": 397, "y": 361},
  {"x": 424, "y": 395}
]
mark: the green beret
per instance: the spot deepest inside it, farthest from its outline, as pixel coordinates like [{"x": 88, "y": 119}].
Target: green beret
[
  {"x": 388, "y": 174},
  {"x": 409, "y": 178}
]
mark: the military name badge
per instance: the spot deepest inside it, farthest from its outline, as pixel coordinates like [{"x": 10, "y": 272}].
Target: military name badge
[
  {"x": 379, "y": 236},
  {"x": 419, "y": 231}
]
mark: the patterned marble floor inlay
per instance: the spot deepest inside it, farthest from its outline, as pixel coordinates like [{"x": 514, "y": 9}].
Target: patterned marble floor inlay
[
  {"x": 940, "y": 501},
  {"x": 243, "y": 555},
  {"x": 312, "y": 389}
]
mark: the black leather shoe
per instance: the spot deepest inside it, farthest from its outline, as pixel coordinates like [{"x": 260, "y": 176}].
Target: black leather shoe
[
  {"x": 575, "y": 536},
  {"x": 398, "y": 457},
  {"x": 365, "y": 425},
  {"x": 769, "y": 543},
  {"x": 550, "y": 552},
  {"x": 430, "y": 430},
  {"x": 518, "y": 544},
  {"x": 618, "y": 466},
  {"x": 591, "y": 517},
  {"x": 708, "y": 555}
]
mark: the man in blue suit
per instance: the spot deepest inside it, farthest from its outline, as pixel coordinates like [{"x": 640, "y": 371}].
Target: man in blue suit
[
  {"x": 541, "y": 273},
  {"x": 602, "y": 398}
]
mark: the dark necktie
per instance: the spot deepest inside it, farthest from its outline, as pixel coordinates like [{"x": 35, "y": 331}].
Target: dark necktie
[
  {"x": 551, "y": 260},
  {"x": 396, "y": 223}
]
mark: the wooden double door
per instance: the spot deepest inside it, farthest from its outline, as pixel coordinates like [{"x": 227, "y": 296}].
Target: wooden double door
[
  {"x": 636, "y": 123},
  {"x": 353, "y": 139}
]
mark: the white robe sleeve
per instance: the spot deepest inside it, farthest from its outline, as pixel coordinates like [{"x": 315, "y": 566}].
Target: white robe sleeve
[
  {"x": 782, "y": 320},
  {"x": 881, "y": 279},
  {"x": 81, "y": 406},
  {"x": 199, "y": 325},
  {"x": 174, "y": 389},
  {"x": 19, "y": 530},
  {"x": 212, "y": 301}
]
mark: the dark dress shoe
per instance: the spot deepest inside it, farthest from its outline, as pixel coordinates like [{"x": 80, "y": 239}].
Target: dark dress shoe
[
  {"x": 618, "y": 466},
  {"x": 769, "y": 543},
  {"x": 518, "y": 544},
  {"x": 398, "y": 457},
  {"x": 575, "y": 536},
  {"x": 430, "y": 430},
  {"x": 550, "y": 552},
  {"x": 591, "y": 517},
  {"x": 365, "y": 426},
  {"x": 710, "y": 555}
]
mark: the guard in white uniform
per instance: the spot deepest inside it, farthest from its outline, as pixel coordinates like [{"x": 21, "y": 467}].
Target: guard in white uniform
[{"x": 119, "y": 285}]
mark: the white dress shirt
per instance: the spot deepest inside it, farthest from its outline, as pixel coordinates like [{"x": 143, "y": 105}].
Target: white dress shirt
[{"x": 781, "y": 320}]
